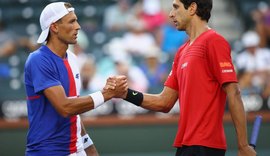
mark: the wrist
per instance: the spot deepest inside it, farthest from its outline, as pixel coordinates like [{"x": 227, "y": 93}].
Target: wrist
[
  {"x": 98, "y": 99},
  {"x": 243, "y": 145},
  {"x": 134, "y": 97},
  {"x": 107, "y": 96},
  {"x": 87, "y": 141}
]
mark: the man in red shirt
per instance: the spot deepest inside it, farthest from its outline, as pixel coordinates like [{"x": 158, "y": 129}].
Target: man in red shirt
[{"x": 202, "y": 77}]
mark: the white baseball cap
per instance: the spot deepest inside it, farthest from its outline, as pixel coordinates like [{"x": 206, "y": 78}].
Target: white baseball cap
[{"x": 50, "y": 14}]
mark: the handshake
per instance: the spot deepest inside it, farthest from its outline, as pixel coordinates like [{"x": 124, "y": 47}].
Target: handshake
[{"x": 115, "y": 87}]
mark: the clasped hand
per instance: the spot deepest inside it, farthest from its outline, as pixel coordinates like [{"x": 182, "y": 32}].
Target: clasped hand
[{"x": 116, "y": 86}]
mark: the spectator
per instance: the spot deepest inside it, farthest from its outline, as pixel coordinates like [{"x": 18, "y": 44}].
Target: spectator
[
  {"x": 261, "y": 18},
  {"x": 252, "y": 55},
  {"x": 137, "y": 36},
  {"x": 115, "y": 16},
  {"x": 7, "y": 41},
  {"x": 245, "y": 81},
  {"x": 80, "y": 48},
  {"x": 155, "y": 71},
  {"x": 136, "y": 77},
  {"x": 123, "y": 64},
  {"x": 7, "y": 48},
  {"x": 91, "y": 81},
  {"x": 254, "y": 59},
  {"x": 251, "y": 94},
  {"x": 29, "y": 44},
  {"x": 169, "y": 38},
  {"x": 150, "y": 12}
]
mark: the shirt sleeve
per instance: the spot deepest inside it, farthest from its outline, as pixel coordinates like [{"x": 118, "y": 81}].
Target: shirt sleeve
[
  {"x": 43, "y": 74},
  {"x": 171, "y": 81},
  {"x": 220, "y": 61}
]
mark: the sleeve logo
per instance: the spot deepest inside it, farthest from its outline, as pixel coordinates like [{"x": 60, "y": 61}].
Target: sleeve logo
[{"x": 225, "y": 64}]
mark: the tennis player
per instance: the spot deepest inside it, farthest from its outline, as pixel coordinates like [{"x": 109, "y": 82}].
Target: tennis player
[
  {"x": 52, "y": 83},
  {"x": 202, "y": 77}
]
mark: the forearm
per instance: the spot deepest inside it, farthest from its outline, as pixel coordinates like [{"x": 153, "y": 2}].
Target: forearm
[
  {"x": 155, "y": 102},
  {"x": 73, "y": 106},
  {"x": 162, "y": 102},
  {"x": 239, "y": 120},
  {"x": 67, "y": 106},
  {"x": 238, "y": 116},
  {"x": 82, "y": 104}
]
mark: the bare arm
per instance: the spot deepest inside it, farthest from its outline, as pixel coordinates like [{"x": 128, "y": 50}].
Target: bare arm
[
  {"x": 239, "y": 119},
  {"x": 71, "y": 106},
  {"x": 162, "y": 102}
]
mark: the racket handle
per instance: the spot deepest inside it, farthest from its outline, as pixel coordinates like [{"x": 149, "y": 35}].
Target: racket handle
[{"x": 255, "y": 131}]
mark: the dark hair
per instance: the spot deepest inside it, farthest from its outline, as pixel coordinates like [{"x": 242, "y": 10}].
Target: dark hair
[
  {"x": 68, "y": 5},
  {"x": 204, "y": 7}
]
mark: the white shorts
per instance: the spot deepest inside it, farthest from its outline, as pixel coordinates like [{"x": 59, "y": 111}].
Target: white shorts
[{"x": 81, "y": 153}]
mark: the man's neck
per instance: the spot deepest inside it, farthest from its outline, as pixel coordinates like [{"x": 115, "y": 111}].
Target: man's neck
[
  {"x": 58, "y": 48},
  {"x": 196, "y": 29}
]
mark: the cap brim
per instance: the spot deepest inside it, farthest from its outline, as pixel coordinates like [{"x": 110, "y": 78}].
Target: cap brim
[{"x": 43, "y": 36}]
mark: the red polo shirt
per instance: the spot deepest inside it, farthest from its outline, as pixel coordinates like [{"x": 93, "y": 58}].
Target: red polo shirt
[{"x": 198, "y": 73}]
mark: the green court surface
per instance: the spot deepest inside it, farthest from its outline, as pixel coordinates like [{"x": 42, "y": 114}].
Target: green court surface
[
  {"x": 228, "y": 153},
  {"x": 139, "y": 140}
]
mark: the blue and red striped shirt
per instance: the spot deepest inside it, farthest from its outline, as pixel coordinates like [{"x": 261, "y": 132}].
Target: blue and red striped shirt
[{"x": 49, "y": 132}]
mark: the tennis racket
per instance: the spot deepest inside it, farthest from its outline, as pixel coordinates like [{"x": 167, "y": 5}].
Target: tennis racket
[{"x": 255, "y": 131}]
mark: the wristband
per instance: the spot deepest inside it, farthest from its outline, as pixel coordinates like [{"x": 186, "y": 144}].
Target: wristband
[
  {"x": 87, "y": 141},
  {"x": 134, "y": 97},
  {"x": 97, "y": 98}
]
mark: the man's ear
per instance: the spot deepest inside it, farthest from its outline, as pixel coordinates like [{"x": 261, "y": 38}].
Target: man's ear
[
  {"x": 54, "y": 28},
  {"x": 193, "y": 8}
]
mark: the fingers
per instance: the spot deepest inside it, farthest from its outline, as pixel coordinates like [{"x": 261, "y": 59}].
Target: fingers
[
  {"x": 116, "y": 86},
  {"x": 121, "y": 77},
  {"x": 115, "y": 81},
  {"x": 111, "y": 79},
  {"x": 121, "y": 82},
  {"x": 110, "y": 85}
]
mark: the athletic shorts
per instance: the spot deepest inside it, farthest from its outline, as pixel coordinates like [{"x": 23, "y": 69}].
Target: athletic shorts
[
  {"x": 199, "y": 151},
  {"x": 81, "y": 153}
]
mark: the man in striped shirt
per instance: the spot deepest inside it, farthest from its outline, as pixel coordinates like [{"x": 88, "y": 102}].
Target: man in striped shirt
[{"x": 52, "y": 83}]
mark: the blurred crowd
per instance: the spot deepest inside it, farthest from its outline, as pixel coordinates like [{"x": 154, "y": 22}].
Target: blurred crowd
[
  {"x": 141, "y": 45},
  {"x": 252, "y": 58},
  {"x": 143, "y": 51}
]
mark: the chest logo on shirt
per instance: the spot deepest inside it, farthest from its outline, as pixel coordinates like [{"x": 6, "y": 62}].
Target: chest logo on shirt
[
  {"x": 77, "y": 76},
  {"x": 184, "y": 65}
]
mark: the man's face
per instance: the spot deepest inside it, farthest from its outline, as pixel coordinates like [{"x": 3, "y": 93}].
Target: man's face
[
  {"x": 179, "y": 15},
  {"x": 68, "y": 28}
]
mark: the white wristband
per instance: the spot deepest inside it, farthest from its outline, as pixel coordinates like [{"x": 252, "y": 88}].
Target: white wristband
[
  {"x": 87, "y": 141},
  {"x": 98, "y": 99}
]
